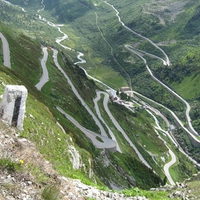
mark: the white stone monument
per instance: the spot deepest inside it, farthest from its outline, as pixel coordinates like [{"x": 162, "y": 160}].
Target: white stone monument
[{"x": 13, "y": 105}]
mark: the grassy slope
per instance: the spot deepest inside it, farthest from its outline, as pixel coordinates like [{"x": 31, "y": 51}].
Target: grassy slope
[
  {"x": 40, "y": 126},
  {"x": 57, "y": 92}
]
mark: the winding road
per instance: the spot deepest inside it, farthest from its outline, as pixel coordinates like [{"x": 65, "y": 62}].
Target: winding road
[
  {"x": 103, "y": 133},
  {"x": 175, "y": 94},
  {"x": 6, "y": 51},
  {"x": 45, "y": 75},
  {"x": 105, "y": 142},
  {"x": 105, "y": 104},
  {"x": 165, "y": 62}
]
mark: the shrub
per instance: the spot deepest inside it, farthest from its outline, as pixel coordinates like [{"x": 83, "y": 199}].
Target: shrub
[{"x": 50, "y": 192}]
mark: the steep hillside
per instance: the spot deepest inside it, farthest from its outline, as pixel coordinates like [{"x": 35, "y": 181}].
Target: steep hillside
[
  {"x": 117, "y": 56},
  {"x": 56, "y": 92},
  {"x": 35, "y": 162},
  {"x": 169, "y": 24}
]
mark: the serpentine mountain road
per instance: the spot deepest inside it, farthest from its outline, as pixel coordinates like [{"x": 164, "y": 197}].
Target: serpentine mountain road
[
  {"x": 165, "y": 62},
  {"x": 174, "y": 93},
  {"x": 105, "y": 141},
  {"x": 45, "y": 75},
  {"x": 103, "y": 133},
  {"x": 6, "y": 51},
  {"x": 83, "y": 61},
  {"x": 105, "y": 104}
]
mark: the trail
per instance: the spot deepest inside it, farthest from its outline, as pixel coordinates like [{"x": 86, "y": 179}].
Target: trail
[{"x": 45, "y": 75}]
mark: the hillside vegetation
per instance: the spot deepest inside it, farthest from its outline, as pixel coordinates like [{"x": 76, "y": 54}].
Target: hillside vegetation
[
  {"x": 160, "y": 21},
  {"x": 93, "y": 28},
  {"x": 63, "y": 96}
]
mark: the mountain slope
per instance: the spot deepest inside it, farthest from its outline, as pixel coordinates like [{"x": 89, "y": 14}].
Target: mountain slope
[
  {"x": 33, "y": 124},
  {"x": 96, "y": 40}
]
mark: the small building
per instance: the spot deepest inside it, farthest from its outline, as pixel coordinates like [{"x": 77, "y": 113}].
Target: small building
[{"x": 125, "y": 89}]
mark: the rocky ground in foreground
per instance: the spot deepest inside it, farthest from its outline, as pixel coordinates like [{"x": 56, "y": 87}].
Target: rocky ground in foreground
[
  {"x": 36, "y": 179},
  {"x": 26, "y": 183}
]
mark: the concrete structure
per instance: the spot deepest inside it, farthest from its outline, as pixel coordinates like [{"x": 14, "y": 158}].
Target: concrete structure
[{"x": 12, "y": 107}]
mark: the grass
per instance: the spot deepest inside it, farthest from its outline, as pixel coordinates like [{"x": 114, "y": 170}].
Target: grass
[
  {"x": 188, "y": 87},
  {"x": 108, "y": 76},
  {"x": 37, "y": 172},
  {"x": 182, "y": 169},
  {"x": 99, "y": 139},
  {"x": 9, "y": 165},
  {"x": 50, "y": 192},
  {"x": 194, "y": 187},
  {"x": 19, "y": 60},
  {"x": 139, "y": 128},
  {"x": 53, "y": 148},
  {"x": 151, "y": 195}
]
